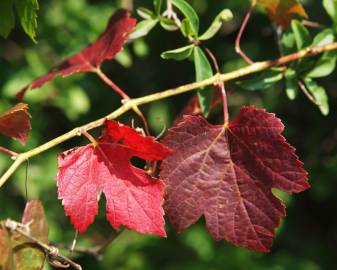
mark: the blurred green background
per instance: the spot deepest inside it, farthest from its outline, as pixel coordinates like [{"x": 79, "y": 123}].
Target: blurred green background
[{"x": 307, "y": 238}]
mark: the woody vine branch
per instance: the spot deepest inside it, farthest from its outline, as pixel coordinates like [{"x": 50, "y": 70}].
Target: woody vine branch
[{"x": 130, "y": 104}]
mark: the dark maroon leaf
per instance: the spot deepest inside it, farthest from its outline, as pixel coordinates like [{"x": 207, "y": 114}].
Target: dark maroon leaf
[
  {"x": 108, "y": 44},
  {"x": 227, "y": 172}
]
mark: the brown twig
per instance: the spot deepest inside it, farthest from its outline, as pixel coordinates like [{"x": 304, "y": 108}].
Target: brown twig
[
  {"x": 125, "y": 98},
  {"x": 306, "y": 92},
  {"x": 221, "y": 85},
  {"x": 130, "y": 104},
  {"x": 239, "y": 36},
  {"x": 89, "y": 137},
  {"x": 49, "y": 250},
  {"x": 97, "y": 250},
  {"x": 312, "y": 24},
  {"x": 109, "y": 82},
  {"x": 169, "y": 13}
]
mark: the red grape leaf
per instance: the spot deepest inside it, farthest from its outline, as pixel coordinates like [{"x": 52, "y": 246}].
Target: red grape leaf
[
  {"x": 134, "y": 199},
  {"x": 31, "y": 257},
  {"x": 34, "y": 215},
  {"x": 18, "y": 252},
  {"x": 226, "y": 173},
  {"x": 193, "y": 105},
  {"x": 283, "y": 11},
  {"x": 6, "y": 257},
  {"x": 15, "y": 122},
  {"x": 108, "y": 44}
]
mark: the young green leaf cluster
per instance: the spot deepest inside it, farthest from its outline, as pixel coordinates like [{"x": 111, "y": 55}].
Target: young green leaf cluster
[{"x": 302, "y": 75}]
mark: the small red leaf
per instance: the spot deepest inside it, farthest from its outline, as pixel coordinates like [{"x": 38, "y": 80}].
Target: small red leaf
[
  {"x": 31, "y": 257},
  {"x": 283, "y": 11},
  {"x": 226, "y": 173},
  {"x": 134, "y": 199},
  {"x": 108, "y": 44},
  {"x": 6, "y": 254},
  {"x": 34, "y": 215},
  {"x": 193, "y": 106},
  {"x": 15, "y": 122},
  {"x": 17, "y": 251}
]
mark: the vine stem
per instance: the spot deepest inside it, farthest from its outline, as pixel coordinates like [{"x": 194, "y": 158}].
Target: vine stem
[
  {"x": 130, "y": 104},
  {"x": 97, "y": 250},
  {"x": 221, "y": 85},
  {"x": 124, "y": 96},
  {"x": 109, "y": 82},
  {"x": 8, "y": 152},
  {"x": 242, "y": 29}
]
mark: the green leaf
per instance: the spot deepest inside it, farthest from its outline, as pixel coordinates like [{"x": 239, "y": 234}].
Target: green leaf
[
  {"x": 224, "y": 16},
  {"x": 124, "y": 58},
  {"x": 143, "y": 28},
  {"x": 263, "y": 80},
  {"x": 203, "y": 70},
  {"x": 301, "y": 34},
  {"x": 319, "y": 94},
  {"x": 331, "y": 8},
  {"x": 178, "y": 54},
  {"x": 324, "y": 66},
  {"x": 190, "y": 14},
  {"x": 140, "y": 48},
  {"x": 292, "y": 88},
  {"x": 145, "y": 13},
  {"x": 168, "y": 24},
  {"x": 157, "y": 6},
  {"x": 324, "y": 37},
  {"x": 7, "y": 21},
  {"x": 288, "y": 42},
  {"x": 185, "y": 28},
  {"x": 27, "y": 12}
]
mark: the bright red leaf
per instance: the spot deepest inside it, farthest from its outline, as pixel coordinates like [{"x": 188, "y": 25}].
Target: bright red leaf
[
  {"x": 227, "y": 173},
  {"x": 15, "y": 122},
  {"x": 283, "y": 11},
  {"x": 108, "y": 44},
  {"x": 134, "y": 199}
]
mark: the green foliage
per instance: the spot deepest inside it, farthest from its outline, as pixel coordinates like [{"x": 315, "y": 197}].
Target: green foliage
[
  {"x": 143, "y": 28},
  {"x": 224, "y": 16},
  {"x": 331, "y": 8},
  {"x": 191, "y": 21},
  {"x": 7, "y": 17},
  {"x": 291, "y": 83},
  {"x": 178, "y": 54},
  {"x": 301, "y": 35},
  {"x": 263, "y": 80},
  {"x": 319, "y": 94},
  {"x": 27, "y": 13},
  {"x": 305, "y": 70},
  {"x": 203, "y": 70}
]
